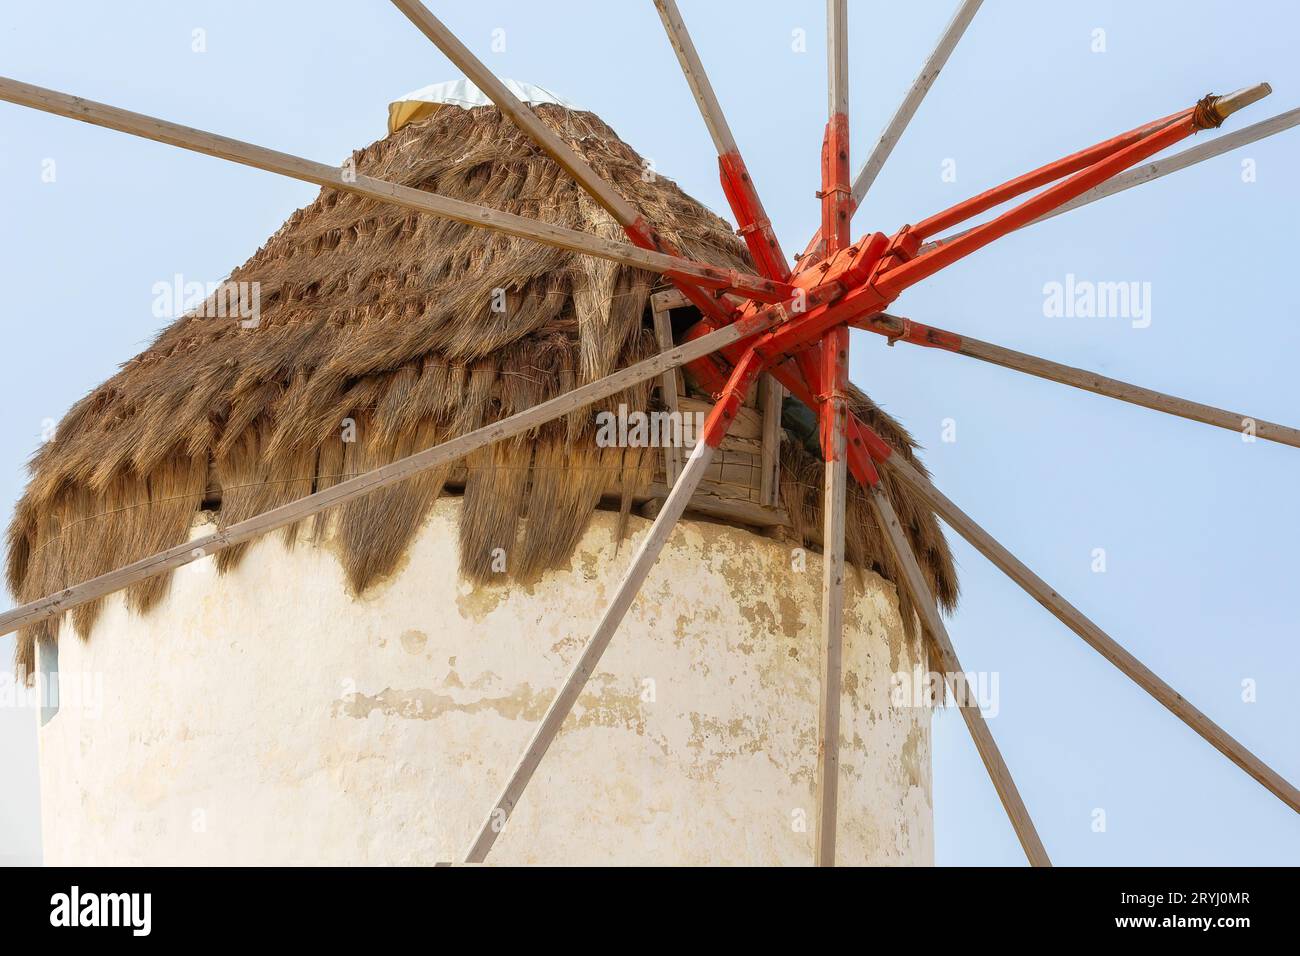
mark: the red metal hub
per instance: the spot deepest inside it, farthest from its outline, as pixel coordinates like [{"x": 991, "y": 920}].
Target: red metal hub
[{"x": 847, "y": 285}]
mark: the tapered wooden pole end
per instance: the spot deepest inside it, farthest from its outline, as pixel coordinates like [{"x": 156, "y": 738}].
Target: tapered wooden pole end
[{"x": 1218, "y": 108}]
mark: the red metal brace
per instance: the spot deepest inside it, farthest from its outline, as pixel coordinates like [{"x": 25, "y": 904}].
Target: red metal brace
[
  {"x": 732, "y": 395},
  {"x": 834, "y": 385},
  {"x": 865, "y": 447},
  {"x": 898, "y": 329},
  {"x": 852, "y": 266},
  {"x": 1009, "y": 190},
  {"x": 1049, "y": 173},
  {"x": 704, "y": 294},
  {"x": 755, "y": 227},
  {"x": 903, "y": 267},
  {"x": 853, "y": 284},
  {"x": 836, "y": 193}
]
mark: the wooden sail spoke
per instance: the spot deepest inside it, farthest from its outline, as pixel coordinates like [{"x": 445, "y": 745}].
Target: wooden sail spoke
[
  {"x": 715, "y": 429},
  {"x": 914, "y": 581},
  {"x": 348, "y": 180},
  {"x": 1094, "y": 636},
  {"x": 893, "y": 132},
  {"x": 834, "y": 412},
  {"x": 742, "y": 195},
  {"x": 518, "y": 111},
  {"x": 1162, "y": 167},
  {"x": 627, "y": 216},
  {"x": 562, "y": 704},
  {"x": 836, "y": 193},
  {"x": 696, "y": 77},
  {"x": 837, "y": 57},
  {"x": 1188, "y": 157},
  {"x": 382, "y": 477},
  {"x": 1247, "y": 425},
  {"x": 900, "y": 329}
]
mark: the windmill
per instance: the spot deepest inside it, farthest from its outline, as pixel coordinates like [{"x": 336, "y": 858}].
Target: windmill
[{"x": 791, "y": 323}]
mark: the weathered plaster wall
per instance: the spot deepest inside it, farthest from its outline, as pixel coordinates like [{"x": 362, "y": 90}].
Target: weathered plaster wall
[{"x": 267, "y": 717}]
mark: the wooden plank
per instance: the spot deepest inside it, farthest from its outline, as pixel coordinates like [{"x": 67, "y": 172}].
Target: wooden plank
[
  {"x": 1101, "y": 384},
  {"x": 637, "y": 229},
  {"x": 770, "y": 483},
  {"x": 740, "y": 471},
  {"x": 748, "y": 423},
  {"x": 740, "y": 447},
  {"x": 669, "y": 299},
  {"x": 712, "y": 501},
  {"x": 346, "y": 180},
  {"x": 696, "y": 77},
  {"x": 832, "y": 629},
  {"x": 1095, "y": 637},
  {"x": 1124, "y": 392},
  {"x": 893, "y": 132},
  {"x": 1188, "y": 157},
  {"x": 836, "y": 193},
  {"x": 914, "y": 581},
  {"x": 382, "y": 477},
  {"x": 1158, "y": 168},
  {"x": 585, "y": 665},
  {"x": 518, "y": 112},
  {"x": 837, "y": 57},
  {"x": 742, "y": 195},
  {"x": 668, "y": 393}
]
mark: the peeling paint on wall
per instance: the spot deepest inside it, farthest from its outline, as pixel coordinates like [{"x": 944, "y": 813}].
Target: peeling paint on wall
[{"x": 278, "y": 720}]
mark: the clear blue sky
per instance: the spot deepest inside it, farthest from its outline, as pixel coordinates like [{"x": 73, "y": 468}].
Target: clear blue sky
[{"x": 1199, "y": 528}]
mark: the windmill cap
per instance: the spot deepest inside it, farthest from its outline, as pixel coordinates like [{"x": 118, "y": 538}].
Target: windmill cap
[{"x": 421, "y": 103}]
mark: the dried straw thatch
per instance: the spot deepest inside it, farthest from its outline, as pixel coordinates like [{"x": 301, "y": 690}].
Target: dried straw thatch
[{"x": 384, "y": 318}]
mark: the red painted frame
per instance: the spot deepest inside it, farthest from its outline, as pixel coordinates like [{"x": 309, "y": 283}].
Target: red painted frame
[{"x": 852, "y": 284}]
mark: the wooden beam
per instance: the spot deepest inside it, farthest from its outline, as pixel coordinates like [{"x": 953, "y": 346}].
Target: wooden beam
[
  {"x": 836, "y": 194},
  {"x": 773, "y": 398},
  {"x": 1094, "y": 636},
  {"x": 914, "y": 581},
  {"x": 637, "y": 229},
  {"x": 1188, "y": 157},
  {"x": 1161, "y": 167},
  {"x": 748, "y": 423},
  {"x": 737, "y": 183},
  {"x": 667, "y": 392},
  {"x": 708, "y": 502},
  {"x": 1099, "y": 384},
  {"x": 1124, "y": 392},
  {"x": 669, "y": 299},
  {"x": 382, "y": 477},
  {"x": 893, "y": 132},
  {"x": 837, "y": 57},
  {"x": 518, "y": 111},
  {"x": 696, "y": 77},
  {"x": 894, "y": 280},
  {"x": 835, "y": 416},
  {"x": 585, "y": 665},
  {"x": 348, "y": 180}
]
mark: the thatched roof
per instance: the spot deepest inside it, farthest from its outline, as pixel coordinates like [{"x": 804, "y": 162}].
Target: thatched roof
[{"x": 385, "y": 317}]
